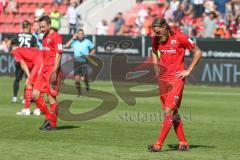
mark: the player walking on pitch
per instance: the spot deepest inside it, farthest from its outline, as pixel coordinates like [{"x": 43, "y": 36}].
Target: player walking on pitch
[
  {"x": 171, "y": 45},
  {"x": 49, "y": 78}
]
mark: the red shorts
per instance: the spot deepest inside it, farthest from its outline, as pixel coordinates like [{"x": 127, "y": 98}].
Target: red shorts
[
  {"x": 44, "y": 83},
  {"x": 171, "y": 93}
]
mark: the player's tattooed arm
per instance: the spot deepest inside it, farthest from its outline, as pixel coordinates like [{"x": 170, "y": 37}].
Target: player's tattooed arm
[
  {"x": 56, "y": 68},
  {"x": 57, "y": 61},
  {"x": 197, "y": 54}
]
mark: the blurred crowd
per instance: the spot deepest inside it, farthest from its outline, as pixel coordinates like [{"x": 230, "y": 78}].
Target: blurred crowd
[
  {"x": 196, "y": 18},
  {"x": 56, "y": 10}
]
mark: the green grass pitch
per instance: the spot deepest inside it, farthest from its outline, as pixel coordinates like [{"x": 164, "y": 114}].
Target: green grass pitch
[{"x": 211, "y": 122}]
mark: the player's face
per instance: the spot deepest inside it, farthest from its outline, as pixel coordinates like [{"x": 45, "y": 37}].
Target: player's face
[
  {"x": 45, "y": 27},
  {"x": 35, "y": 27},
  {"x": 80, "y": 35},
  {"x": 161, "y": 33}
]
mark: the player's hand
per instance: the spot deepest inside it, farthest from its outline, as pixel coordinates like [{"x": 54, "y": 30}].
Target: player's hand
[
  {"x": 27, "y": 81},
  {"x": 75, "y": 36},
  {"x": 183, "y": 74}
]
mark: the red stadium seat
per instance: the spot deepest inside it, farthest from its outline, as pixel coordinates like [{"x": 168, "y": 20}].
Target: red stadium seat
[
  {"x": 48, "y": 8},
  {"x": 24, "y": 17},
  {"x": 1, "y": 27},
  {"x": 2, "y": 18},
  {"x": 17, "y": 18},
  {"x": 20, "y": 1},
  {"x": 62, "y": 9},
  {"x": 140, "y": 6},
  {"x": 32, "y": 8},
  {"x": 35, "y": 1},
  {"x": 9, "y": 18},
  {"x": 46, "y": 1},
  {"x": 8, "y": 28},
  {"x": 24, "y": 1},
  {"x": 31, "y": 18},
  {"x": 26, "y": 9},
  {"x": 5, "y": 28},
  {"x": 111, "y": 29},
  {"x": 131, "y": 21},
  {"x": 23, "y": 8},
  {"x": 17, "y": 28}
]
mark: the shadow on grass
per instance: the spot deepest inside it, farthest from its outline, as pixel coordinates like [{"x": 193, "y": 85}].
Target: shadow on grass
[
  {"x": 174, "y": 147},
  {"x": 67, "y": 127}
]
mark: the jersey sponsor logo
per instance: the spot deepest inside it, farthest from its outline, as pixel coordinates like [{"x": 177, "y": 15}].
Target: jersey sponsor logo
[
  {"x": 169, "y": 51},
  {"x": 173, "y": 42},
  {"x": 60, "y": 47},
  {"x": 45, "y": 49},
  {"x": 25, "y": 35}
]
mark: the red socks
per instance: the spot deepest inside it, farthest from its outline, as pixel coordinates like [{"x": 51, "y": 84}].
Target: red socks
[
  {"x": 43, "y": 107},
  {"x": 50, "y": 115},
  {"x": 167, "y": 124},
  {"x": 168, "y": 121},
  {"x": 53, "y": 112},
  {"x": 28, "y": 97},
  {"x": 178, "y": 127}
]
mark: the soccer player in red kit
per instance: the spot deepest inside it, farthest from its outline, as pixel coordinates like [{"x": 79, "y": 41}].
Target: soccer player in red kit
[
  {"x": 31, "y": 61},
  {"x": 169, "y": 48},
  {"x": 49, "y": 78}
]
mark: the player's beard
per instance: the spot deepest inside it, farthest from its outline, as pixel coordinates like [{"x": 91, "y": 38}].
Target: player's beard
[
  {"x": 162, "y": 37},
  {"x": 46, "y": 32}
]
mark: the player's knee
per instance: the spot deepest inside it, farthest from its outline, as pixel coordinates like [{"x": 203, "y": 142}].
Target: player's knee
[
  {"x": 29, "y": 86},
  {"x": 168, "y": 110},
  {"x": 168, "y": 119},
  {"x": 77, "y": 78},
  {"x": 51, "y": 99},
  {"x": 35, "y": 94}
]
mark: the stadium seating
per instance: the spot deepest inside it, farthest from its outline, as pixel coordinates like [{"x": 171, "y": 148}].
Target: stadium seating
[{"x": 10, "y": 22}]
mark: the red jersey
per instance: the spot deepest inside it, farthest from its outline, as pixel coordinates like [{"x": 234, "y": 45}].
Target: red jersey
[
  {"x": 52, "y": 45},
  {"x": 172, "y": 54},
  {"x": 31, "y": 56}
]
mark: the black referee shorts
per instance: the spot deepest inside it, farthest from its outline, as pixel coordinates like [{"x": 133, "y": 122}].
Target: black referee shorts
[
  {"x": 80, "y": 68},
  {"x": 18, "y": 72}
]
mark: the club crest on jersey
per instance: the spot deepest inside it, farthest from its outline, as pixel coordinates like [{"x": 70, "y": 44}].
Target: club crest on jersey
[
  {"x": 173, "y": 42},
  {"x": 48, "y": 41}
]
